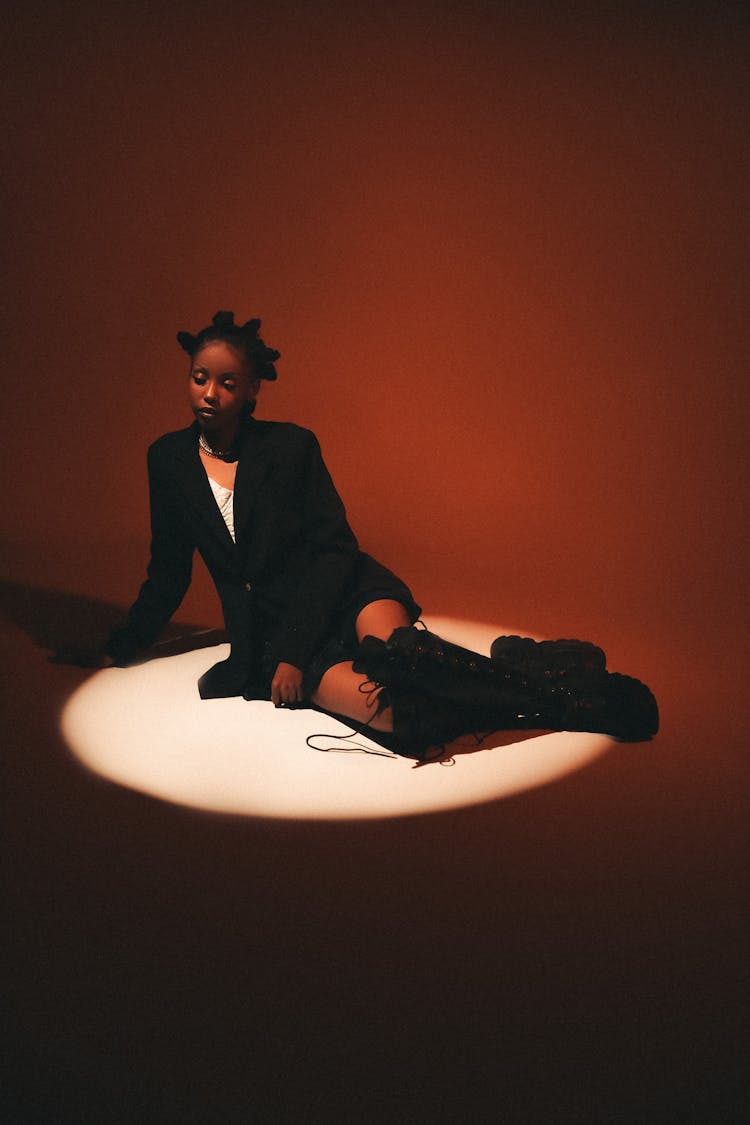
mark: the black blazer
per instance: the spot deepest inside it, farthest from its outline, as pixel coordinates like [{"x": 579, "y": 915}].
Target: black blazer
[{"x": 294, "y": 560}]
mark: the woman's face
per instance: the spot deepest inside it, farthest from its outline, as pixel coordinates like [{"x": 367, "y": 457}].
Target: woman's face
[{"x": 220, "y": 385}]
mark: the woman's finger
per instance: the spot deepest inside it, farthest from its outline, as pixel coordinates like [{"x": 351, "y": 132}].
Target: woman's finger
[{"x": 286, "y": 690}]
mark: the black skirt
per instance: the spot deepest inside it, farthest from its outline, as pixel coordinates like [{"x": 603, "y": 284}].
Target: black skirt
[{"x": 369, "y": 581}]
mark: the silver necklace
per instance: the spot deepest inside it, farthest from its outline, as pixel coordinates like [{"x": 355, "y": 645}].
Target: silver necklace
[{"x": 218, "y": 454}]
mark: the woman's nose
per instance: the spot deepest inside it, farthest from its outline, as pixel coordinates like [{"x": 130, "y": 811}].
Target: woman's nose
[{"x": 209, "y": 392}]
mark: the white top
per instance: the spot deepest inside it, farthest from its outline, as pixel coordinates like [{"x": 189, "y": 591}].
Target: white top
[{"x": 224, "y": 498}]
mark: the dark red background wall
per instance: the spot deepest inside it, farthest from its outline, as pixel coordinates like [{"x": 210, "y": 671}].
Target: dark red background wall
[{"x": 502, "y": 256}]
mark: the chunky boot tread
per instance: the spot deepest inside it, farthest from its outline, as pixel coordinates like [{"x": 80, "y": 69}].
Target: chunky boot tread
[
  {"x": 615, "y": 705},
  {"x": 549, "y": 658}
]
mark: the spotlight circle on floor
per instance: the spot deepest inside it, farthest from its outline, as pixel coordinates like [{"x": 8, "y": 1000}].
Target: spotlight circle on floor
[{"x": 146, "y": 727}]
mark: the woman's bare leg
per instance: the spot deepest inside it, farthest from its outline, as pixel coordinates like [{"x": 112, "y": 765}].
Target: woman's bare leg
[
  {"x": 339, "y": 691},
  {"x": 342, "y": 689}
]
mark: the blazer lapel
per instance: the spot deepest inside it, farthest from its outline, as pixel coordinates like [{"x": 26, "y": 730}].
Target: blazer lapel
[
  {"x": 252, "y": 468},
  {"x": 194, "y": 483}
]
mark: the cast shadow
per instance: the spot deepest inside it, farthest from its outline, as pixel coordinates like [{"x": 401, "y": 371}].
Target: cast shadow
[
  {"x": 470, "y": 744},
  {"x": 70, "y": 625}
]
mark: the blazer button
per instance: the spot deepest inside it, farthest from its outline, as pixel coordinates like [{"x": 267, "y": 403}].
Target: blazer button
[{"x": 248, "y": 586}]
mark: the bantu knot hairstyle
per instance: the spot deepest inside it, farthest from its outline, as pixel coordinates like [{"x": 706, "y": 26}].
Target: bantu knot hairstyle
[{"x": 244, "y": 337}]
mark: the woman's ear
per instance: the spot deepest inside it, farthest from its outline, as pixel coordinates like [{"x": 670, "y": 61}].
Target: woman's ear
[{"x": 252, "y": 389}]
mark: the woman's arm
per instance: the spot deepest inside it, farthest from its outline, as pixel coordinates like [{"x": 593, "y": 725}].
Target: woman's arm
[{"x": 169, "y": 569}]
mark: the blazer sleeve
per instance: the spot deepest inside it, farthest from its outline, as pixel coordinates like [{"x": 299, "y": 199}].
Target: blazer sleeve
[
  {"x": 332, "y": 551},
  {"x": 168, "y": 574}
]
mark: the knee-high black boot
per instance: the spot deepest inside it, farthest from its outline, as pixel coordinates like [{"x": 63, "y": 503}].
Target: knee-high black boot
[{"x": 483, "y": 696}]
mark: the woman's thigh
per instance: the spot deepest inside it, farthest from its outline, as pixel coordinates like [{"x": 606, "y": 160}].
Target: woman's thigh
[
  {"x": 380, "y": 618},
  {"x": 346, "y": 692}
]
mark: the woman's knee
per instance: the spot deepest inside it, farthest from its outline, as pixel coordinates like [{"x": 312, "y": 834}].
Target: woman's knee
[{"x": 380, "y": 618}]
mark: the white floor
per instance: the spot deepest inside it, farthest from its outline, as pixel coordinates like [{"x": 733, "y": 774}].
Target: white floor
[{"x": 146, "y": 728}]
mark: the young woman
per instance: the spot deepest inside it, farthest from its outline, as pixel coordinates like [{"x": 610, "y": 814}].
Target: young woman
[{"x": 311, "y": 618}]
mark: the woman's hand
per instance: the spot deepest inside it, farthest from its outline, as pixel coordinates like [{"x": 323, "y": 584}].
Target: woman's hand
[{"x": 286, "y": 686}]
